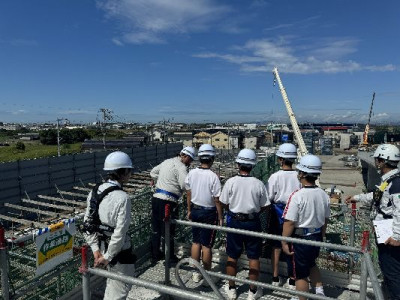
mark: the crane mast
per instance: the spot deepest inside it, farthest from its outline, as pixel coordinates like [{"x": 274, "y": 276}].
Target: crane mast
[
  {"x": 366, "y": 131},
  {"x": 292, "y": 117}
]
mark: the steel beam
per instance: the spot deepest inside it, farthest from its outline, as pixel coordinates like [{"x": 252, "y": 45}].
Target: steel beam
[
  {"x": 73, "y": 202},
  {"x": 30, "y": 209},
  {"x": 23, "y": 221},
  {"x": 60, "y": 207}
]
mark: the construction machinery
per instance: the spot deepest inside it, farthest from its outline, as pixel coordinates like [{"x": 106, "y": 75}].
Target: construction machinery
[
  {"x": 366, "y": 131},
  {"x": 301, "y": 145}
]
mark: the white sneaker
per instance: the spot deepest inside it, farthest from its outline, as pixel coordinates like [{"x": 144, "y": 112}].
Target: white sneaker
[
  {"x": 290, "y": 286},
  {"x": 231, "y": 293},
  {"x": 276, "y": 283},
  {"x": 197, "y": 277},
  {"x": 256, "y": 295}
]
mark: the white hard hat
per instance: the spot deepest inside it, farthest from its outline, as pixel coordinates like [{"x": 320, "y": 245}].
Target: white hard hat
[
  {"x": 310, "y": 164},
  {"x": 388, "y": 152},
  {"x": 206, "y": 150},
  {"x": 287, "y": 150},
  {"x": 189, "y": 151},
  {"x": 117, "y": 160},
  {"x": 246, "y": 156}
]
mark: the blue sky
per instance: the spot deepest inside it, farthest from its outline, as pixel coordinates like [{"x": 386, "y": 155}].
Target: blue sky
[{"x": 196, "y": 61}]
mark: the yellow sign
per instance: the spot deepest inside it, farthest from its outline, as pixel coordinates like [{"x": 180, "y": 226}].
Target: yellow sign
[{"x": 54, "y": 246}]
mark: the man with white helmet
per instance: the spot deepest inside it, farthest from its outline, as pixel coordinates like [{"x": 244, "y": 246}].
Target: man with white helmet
[
  {"x": 385, "y": 204},
  {"x": 280, "y": 186},
  {"x": 203, "y": 189},
  {"x": 244, "y": 196},
  {"x": 106, "y": 223},
  {"x": 170, "y": 183},
  {"x": 306, "y": 217}
]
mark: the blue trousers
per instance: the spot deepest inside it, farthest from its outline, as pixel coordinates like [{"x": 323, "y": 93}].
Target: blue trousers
[{"x": 389, "y": 261}]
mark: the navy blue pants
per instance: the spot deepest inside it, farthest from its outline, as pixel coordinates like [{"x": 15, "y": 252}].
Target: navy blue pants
[
  {"x": 202, "y": 236},
  {"x": 158, "y": 226},
  {"x": 389, "y": 261}
]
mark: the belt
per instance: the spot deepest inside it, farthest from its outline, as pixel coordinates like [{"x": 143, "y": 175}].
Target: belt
[
  {"x": 195, "y": 206},
  {"x": 243, "y": 217},
  {"x": 160, "y": 191},
  {"x": 307, "y": 231}
]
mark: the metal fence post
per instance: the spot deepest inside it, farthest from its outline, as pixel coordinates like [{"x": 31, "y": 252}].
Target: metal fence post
[
  {"x": 5, "y": 287},
  {"x": 83, "y": 269},
  {"x": 167, "y": 241},
  {"x": 364, "y": 270},
  {"x": 352, "y": 233}
]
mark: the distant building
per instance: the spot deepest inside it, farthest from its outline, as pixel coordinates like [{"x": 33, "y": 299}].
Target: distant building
[
  {"x": 220, "y": 140},
  {"x": 250, "y": 142},
  {"x": 28, "y": 136},
  {"x": 185, "y": 137},
  {"x": 201, "y": 138}
]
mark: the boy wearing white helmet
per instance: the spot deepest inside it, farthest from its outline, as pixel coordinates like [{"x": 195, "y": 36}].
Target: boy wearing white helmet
[
  {"x": 244, "y": 196},
  {"x": 306, "y": 216},
  {"x": 203, "y": 189},
  {"x": 280, "y": 186},
  {"x": 385, "y": 204},
  {"x": 106, "y": 223},
  {"x": 170, "y": 183}
]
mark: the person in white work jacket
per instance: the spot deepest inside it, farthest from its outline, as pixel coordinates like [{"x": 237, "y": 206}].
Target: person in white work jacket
[
  {"x": 170, "y": 184},
  {"x": 385, "y": 204},
  {"x": 306, "y": 217},
  {"x": 112, "y": 246},
  {"x": 203, "y": 189},
  {"x": 244, "y": 196},
  {"x": 280, "y": 186}
]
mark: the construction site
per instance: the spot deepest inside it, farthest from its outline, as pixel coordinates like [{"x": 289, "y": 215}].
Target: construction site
[{"x": 44, "y": 201}]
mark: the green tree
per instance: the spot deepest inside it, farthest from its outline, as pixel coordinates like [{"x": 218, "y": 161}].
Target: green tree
[
  {"x": 20, "y": 146},
  {"x": 48, "y": 137}
]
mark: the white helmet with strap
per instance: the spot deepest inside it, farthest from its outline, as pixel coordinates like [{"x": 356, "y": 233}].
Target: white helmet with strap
[
  {"x": 117, "y": 160},
  {"x": 389, "y": 153},
  {"x": 287, "y": 150},
  {"x": 247, "y": 157},
  {"x": 189, "y": 151},
  {"x": 310, "y": 164},
  {"x": 206, "y": 150}
]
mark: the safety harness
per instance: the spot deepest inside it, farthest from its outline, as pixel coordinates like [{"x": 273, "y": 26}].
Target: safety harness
[
  {"x": 378, "y": 193},
  {"x": 93, "y": 223}
]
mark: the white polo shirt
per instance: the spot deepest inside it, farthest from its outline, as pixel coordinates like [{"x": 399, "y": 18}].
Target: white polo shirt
[
  {"x": 308, "y": 208},
  {"x": 244, "y": 194},
  {"x": 281, "y": 185},
  {"x": 204, "y": 185}
]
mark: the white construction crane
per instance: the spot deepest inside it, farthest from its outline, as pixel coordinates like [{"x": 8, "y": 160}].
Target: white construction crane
[{"x": 302, "y": 146}]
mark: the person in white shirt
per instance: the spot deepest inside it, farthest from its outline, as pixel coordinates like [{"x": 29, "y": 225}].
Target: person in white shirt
[
  {"x": 106, "y": 223},
  {"x": 170, "y": 184},
  {"x": 203, "y": 189},
  {"x": 244, "y": 196},
  {"x": 280, "y": 186},
  {"x": 385, "y": 204},
  {"x": 306, "y": 217}
]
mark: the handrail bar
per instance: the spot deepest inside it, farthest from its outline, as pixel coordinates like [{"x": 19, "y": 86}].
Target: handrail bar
[
  {"x": 372, "y": 275},
  {"x": 269, "y": 236},
  {"x": 148, "y": 284}
]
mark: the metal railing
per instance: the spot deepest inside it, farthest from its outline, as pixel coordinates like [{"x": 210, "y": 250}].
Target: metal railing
[{"x": 367, "y": 268}]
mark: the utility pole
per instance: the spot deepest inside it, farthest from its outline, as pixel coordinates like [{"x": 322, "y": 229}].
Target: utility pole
[
  {"x": 107, "y": 116},
  {"x": 58, "y": 134}
]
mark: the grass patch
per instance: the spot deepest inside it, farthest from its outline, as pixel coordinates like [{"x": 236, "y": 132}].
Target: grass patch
[{"x": 36, "y": 150}]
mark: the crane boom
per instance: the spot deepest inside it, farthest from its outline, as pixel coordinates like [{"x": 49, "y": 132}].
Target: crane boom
[
  {"x": 292, "y": 117},
  {"x": 366, "y": 131}
]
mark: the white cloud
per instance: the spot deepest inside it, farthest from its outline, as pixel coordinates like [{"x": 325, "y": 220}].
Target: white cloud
[
  {"x": 263, "y": 54},
  {"x": 148, "y": 21}
]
